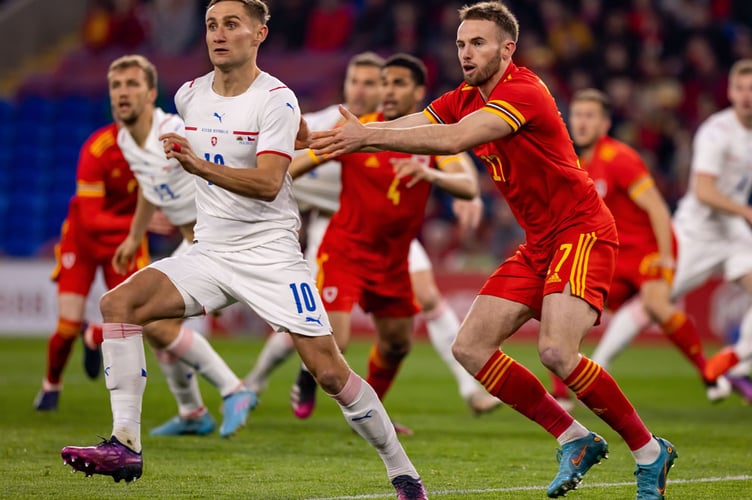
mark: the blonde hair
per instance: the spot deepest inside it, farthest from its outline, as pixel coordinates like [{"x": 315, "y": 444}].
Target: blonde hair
[
  {"x": 137, "y": 61},
  {"x": 256, "y": 9}
]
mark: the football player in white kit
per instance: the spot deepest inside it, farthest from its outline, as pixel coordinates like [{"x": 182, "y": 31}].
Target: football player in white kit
[
  {"x": 241, "y": 124},
  {"x": 319, "y": 191},
  {"x": 712, "y": 226},
  {"x": 165, "y": 184}
]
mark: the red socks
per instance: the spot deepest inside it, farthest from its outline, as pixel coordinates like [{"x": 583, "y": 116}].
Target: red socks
[
  {"x": 595, "y": 387},
  {"x": 518, "y": 388}
]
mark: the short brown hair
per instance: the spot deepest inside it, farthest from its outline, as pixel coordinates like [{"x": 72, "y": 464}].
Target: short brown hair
[
  {"x": 138, "y": 61},
  {"x": 256, "y": 9},
  {"x": 493, "y": 11},
  {"x": 593, "y": 95},
  {"x": 741, "y": 67}
]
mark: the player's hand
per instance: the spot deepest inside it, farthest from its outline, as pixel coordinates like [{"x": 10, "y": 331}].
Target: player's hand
[
  {"x": 176, "y": 146},
  {"x": 410, "y": 167},
  {"x": 124, "y": 259},
  {"x": 348, "y": 137},
  {"x": 469, "y": 213}
]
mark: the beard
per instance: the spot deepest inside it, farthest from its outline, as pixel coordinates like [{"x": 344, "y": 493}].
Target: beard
[{"x": 482, "y": 75}]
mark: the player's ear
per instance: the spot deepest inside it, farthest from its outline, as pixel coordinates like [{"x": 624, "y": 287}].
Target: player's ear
[{"x": 261, "y": 33}]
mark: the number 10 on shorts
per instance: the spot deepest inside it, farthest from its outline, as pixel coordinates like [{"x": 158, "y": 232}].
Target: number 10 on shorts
[{"x": 303, "y": 291}]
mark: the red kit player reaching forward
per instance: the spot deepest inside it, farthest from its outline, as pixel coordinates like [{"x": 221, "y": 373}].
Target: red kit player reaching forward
[{"x": 560, "y": 275}]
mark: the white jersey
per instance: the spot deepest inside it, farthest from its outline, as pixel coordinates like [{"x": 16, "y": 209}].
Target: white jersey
[
  {"x": 722, "y": 147},
  {"x": 320, "y": 188},
  {"x": 163, "y": 182},
  {"x": 232, "y": 131}
]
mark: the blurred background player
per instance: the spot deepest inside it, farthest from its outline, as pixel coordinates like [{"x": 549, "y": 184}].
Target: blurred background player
[
  {"x": 165, "y": 184},
  {"x": 99, "y": 217},
  {"x": 712, "y": 221},
  {"x": 319, "y": 191},
  {"x": 246, "y": 249},
  {"x": 646, "y": 261},
  {"x": 363, "y": 256}
]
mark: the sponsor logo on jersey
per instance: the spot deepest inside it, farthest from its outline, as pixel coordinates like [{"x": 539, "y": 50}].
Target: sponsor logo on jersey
[
  {"x": 244, "y": 138},
  {"x": 218, "y": 116}
]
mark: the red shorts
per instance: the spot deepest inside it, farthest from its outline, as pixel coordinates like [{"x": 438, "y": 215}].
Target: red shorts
[
  {"x": 633, "y": 268},
  {"x": 581, "y": 257},
  {"x": 343, "y": 282},
  {"x": 76, "y": 264}
]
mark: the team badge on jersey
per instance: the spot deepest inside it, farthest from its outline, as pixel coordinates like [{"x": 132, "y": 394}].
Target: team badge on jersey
[
  {"x": 214, "y": 140},
  {"x": 329, "y": 293},
  {"x": 68, "y": 259}
]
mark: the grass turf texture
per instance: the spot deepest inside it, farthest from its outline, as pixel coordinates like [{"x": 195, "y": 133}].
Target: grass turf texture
[{"x": 497, "y": 456}]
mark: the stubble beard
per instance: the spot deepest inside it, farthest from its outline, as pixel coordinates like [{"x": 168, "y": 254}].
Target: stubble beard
[{"x": 482, "y": 75}]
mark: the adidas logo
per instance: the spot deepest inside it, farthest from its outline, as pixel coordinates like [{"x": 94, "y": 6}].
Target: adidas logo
[{"x": 554, "y": 278}]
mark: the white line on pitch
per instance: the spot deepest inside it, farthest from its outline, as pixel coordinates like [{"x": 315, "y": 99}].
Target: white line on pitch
[{"x": 534, "y": 488}]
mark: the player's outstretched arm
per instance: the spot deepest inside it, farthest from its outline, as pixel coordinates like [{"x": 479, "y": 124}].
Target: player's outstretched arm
[{"x": 436, "y": 139}]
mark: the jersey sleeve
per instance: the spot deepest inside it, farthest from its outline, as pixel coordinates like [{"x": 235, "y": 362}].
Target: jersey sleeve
[
  {"x": 279, "y": 123},
  {"x": 518, "y": 103},
  {"x": 708, "y": 146},
  {"x": 443, "y": 108},
  {"x": 181, "y": 96},
  {"x": 90, "y": 187}
]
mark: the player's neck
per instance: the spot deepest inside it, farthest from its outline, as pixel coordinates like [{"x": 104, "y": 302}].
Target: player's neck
[
  {"x": 140, "y": 130},
  {"x": 233, "y": 82}
]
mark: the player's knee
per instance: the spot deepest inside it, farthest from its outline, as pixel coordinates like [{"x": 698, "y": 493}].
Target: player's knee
[
  {"x": 113, "y": 307},
  {"x": 462, "y": 352},
  {"x": 553, "y": 358},
  {"x": 331, "y": 379}
]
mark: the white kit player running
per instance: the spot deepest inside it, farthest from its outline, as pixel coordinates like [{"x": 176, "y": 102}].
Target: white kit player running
[
  {"x": 319, "y": 191},
  {"x": 241, "y": 126},
  {"x": 164, "y": 184},
  {"x": 712, "y": 226}
]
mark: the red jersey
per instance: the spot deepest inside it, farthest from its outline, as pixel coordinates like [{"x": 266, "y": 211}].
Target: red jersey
[
  {"x": 378, "y": 216},
  {"x": 615, "y": 168},
  {"x": 100, "y": 213},
  {"x": 535, "y": 167}
]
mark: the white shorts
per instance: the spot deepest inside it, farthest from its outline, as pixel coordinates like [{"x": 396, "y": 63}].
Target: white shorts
[
  {"x": 317, "y": 224},
  {"x": 273, "y": 279},
  {"x": 180, "y": 213},
  {"x": 730, "y": 257},
  {"x": 417, "y": 259}
]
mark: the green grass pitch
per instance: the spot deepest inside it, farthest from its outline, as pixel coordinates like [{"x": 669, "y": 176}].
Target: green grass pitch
[{"x": 497, "y": 456}]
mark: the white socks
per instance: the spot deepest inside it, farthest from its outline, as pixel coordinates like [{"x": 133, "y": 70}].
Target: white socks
[
  {"x": 125, "y": 377},
  {"x": 442, "y": 325},
  {"x": 196, "y": 351},
  {"x": 277, "y": 349},
  {"x": 624, "y": 326},
  {"x": 648, "y": 453},
  {"x": 575, "y": 431},
  {"x": 367, "y": 416},
  {"x": 743, "y": 347},
  {"x": 183, "y": 384}
]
